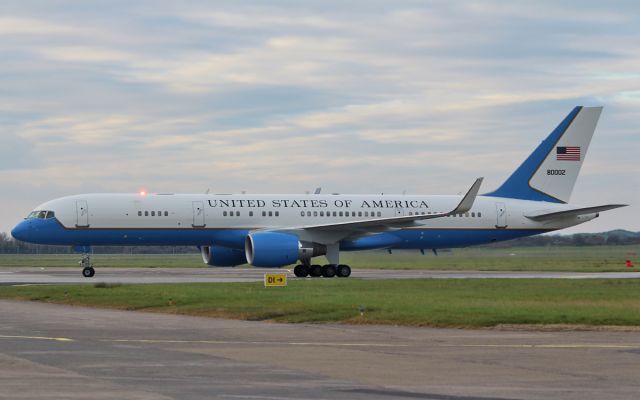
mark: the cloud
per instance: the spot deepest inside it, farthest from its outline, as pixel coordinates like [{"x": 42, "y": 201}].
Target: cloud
[
  {"x": 13, "y": 25},
  {"x": 385, "y": 96}
]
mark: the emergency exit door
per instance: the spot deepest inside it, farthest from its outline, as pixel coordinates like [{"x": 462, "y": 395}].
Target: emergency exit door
[
  {"x": 198, "y": 214},
  {"x": 501, "y": 215},
  {"x": 82, "y": 214}
]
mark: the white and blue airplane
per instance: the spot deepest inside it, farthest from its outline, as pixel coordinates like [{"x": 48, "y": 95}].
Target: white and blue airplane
[{"x": 280, "y": 230}]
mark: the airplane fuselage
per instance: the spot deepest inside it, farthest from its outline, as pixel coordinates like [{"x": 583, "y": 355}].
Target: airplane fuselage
[{"x": 225, "y": 220}]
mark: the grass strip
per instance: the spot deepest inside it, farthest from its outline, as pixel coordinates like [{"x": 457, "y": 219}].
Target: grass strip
[
  {"x": 550, "y": 258},
  {"x": 415, "y": 302}
]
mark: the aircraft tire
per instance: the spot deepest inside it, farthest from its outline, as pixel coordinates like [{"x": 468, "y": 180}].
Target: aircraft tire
[
  {"x": 301, "y": 271},
  {"x": 88, "y": 272},
  {"x": 315, "y": 271},
  {"x": 343, "y": 271},
  {"x": 329, "y": 270}
]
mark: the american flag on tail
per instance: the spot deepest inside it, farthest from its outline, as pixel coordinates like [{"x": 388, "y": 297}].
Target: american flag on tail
[{"x": 568, "y": 153}]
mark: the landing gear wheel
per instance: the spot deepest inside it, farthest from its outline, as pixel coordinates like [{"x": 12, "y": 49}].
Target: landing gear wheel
[
  {"x": 301, "y": 271},
  {"x": 88, "y": 272},
  {"x": 329, "y": 271},
  {"x": 343, "y": 271},
  {"x": 315, "y": 271}
]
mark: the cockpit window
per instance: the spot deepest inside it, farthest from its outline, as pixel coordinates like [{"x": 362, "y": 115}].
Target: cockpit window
[{"x": 41, "y": 215}]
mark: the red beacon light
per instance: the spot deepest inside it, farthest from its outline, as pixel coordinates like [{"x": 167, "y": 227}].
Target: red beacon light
[{"x": 142, "y": 193}]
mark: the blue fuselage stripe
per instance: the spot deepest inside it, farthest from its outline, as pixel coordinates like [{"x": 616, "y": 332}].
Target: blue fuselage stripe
[{"x": 52, "y": 232}]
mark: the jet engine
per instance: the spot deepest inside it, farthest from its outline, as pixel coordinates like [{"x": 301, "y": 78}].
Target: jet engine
[
  {"x": 217, "y": 256},
  {"x": 274, "y": 249}
]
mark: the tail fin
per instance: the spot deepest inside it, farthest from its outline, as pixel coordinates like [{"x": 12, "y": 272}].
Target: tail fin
[{"x": 550, "y": 172}]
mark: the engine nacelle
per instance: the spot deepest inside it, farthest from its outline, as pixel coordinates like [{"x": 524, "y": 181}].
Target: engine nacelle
[
  {"x": 271, "y": 249},
  {"x": 274, "y": 249},
  {"x": 217, "y": 256}
]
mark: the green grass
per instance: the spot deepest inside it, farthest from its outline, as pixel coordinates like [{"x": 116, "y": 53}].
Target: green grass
[
  {"x": 103, "y": 260},
  {"x": 556, "y": 258},
  {"x": 419, "y": 302}
]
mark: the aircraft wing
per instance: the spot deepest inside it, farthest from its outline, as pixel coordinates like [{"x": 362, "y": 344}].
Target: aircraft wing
[
  {"x": 544, "y": 216},
  {"x": 340, "y": 230}
]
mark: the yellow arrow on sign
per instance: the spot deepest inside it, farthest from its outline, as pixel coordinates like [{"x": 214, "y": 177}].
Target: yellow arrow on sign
[{"x": 275, "y": 279}]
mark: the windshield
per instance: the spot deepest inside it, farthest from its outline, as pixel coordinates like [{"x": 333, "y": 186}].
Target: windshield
[{"x": 41, "y": 214}]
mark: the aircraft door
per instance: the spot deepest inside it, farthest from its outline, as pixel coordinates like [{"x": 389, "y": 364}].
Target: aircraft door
[
  {"x": 501, "y": 212},
  {"x": 198, "y": 214},
  {"x": 82, "y": 214}
]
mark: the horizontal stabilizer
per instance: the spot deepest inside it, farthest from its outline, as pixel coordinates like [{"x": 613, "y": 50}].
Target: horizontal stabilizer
[{"x": 543, "y": 215}]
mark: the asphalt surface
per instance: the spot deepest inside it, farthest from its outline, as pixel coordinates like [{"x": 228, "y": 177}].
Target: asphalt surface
[
  {"x": 63, "y": 352},
  {"x": 12, "y": 276}
]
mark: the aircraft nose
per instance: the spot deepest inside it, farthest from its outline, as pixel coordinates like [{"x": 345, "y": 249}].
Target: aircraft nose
[{"x": 20, "y": 231}]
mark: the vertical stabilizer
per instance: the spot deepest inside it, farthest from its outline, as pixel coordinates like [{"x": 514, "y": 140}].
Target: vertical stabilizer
[{"x": 550, "y": 172}]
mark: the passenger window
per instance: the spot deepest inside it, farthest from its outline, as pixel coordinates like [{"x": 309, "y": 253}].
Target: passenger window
[
  {"x": 410, "y": 213},
  {"x": 302, "y": 213},
  {"x": 159, "y": 213},
  {"x": 335, "y": 214},
  {"x": 379, "y": 214},
  {"x": 473, "y": 215},
  {"x": 251, "y": 213},
  {"x": 308, "y": 213},
  {"x": 359, "y": 213},
  {"x": 277, "y": 213},
  {"x": 166, "y": 213},
  {"x": 237, "y": 213},
  {"x": 366, "y": 213},
  {"x": 340, "y": 213},
  {"x": 153, "y": 213},
  {"x": 479, "y": 215},
  {"x": 146, "y": 213},
  {"x": 271, "y": 213},
  {"x": 353, "y": 213},
  {"x": 224, "y": 213},
  {"x": 315, "y": 213},
  {"x": 264, "y": 213},
  {"x": 322, "y": 213},
  {"x": 139, "y": 213}
]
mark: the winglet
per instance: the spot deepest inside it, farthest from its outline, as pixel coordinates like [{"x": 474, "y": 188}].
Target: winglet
[{"x": 467, "y": 201}]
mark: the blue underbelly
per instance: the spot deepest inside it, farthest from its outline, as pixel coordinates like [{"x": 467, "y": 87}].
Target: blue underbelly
[{"x": 52, "y": 232}]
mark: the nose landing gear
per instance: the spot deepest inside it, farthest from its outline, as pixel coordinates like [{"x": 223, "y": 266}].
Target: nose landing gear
[{"x": 87, "y": 267}]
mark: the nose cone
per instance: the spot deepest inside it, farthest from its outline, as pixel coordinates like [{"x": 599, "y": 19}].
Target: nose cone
[{"x": 20, "y": 232}]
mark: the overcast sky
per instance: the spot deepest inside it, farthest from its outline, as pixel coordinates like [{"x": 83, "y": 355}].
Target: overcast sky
[{"x": 285, "y": 96}]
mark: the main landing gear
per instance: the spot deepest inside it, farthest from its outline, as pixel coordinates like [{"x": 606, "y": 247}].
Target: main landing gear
[
  {"x": 87, "y": 267},
  {"x": 327, "y": 271}
]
